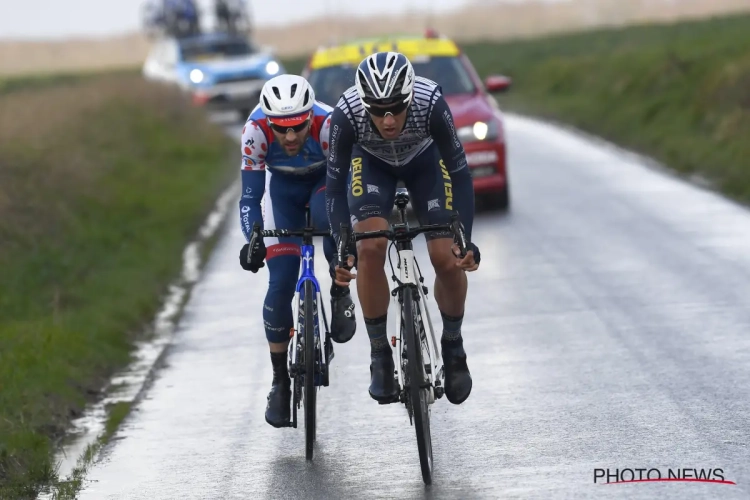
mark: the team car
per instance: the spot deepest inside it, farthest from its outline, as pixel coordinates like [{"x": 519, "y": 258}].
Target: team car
[
  {"x": 330, "y": 71},
  {"x": 220, "y": 71}
]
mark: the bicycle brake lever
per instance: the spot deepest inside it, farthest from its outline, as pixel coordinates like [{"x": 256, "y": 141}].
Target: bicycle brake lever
[
  {"x": 253, "y": 241},
  {"x": 459, "y": 236},
  {"x": 344, "y": 240}
]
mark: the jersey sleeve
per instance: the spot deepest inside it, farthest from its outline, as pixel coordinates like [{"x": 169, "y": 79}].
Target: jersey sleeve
[
  {"x": 253, "y": 171},
  {"x": 254, "y": 146},
  {"x": 342, "y": 140},
  {"x": 443, "y": 132},
  {"x": 325, "y": 135}
]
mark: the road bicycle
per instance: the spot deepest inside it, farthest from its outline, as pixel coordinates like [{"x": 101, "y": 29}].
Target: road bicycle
[
  {"x": 419, "y": 370},
  {"x": 308, "y": 359}
]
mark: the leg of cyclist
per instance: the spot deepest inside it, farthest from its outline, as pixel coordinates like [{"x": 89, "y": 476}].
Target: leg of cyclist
[
  {"x": 430, "y": 187},
  {"x": 343, "y": 321},
  {"x": 371, "y": 195},
  {"x": 284, "y": 209}
]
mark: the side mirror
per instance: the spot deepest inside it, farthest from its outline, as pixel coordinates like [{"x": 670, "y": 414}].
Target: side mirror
[{"x": 497, "y": 83}]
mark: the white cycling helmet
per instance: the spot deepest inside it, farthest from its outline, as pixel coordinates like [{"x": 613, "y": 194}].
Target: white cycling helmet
[
  {"x": 385, "y": 79},
  {"x": 287, "y": 100}
]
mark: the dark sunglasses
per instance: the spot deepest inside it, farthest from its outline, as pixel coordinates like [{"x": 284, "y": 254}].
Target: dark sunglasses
[
  {"x": 381, "y": 111},
  {"x": 283, "y": 129}
]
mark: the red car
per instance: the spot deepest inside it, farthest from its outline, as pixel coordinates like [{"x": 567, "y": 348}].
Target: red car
[{"x": 477, "y": 115}]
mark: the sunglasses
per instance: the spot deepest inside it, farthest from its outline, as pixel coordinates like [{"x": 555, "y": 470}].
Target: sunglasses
[
  {"x": 394, "y": 110},
  {"x": 283, "y": 129}
]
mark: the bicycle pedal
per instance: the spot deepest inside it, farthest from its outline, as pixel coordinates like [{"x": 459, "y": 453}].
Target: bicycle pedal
[{"x": 394, "y": 399}]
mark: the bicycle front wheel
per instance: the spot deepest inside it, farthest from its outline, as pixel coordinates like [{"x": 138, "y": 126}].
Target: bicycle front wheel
[
  {"x": 309, "y": 387},
  {"x": 418, "y": 385}
]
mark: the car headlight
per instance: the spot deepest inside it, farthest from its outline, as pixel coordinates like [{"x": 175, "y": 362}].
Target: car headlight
[
  {"x": 196, "y": 76},
  {"x": 479, "y": 131},
  {"x": 272, "y": 67}
]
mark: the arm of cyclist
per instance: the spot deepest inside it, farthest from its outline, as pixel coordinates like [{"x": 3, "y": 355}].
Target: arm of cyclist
[
  {"x": 342, "y": 140},
  {"x": 253, "y": 172},
  {"x": 443, "y": 131}
]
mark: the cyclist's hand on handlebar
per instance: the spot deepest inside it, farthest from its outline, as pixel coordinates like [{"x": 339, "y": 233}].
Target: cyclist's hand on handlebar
[
  {"x": 470, "y": 262},
  {"x": 254, "y": 261},
  {"x": 343, "y": 275},
  {"x": 343, "y": 270},
  {"x": 254, "y": 252}
]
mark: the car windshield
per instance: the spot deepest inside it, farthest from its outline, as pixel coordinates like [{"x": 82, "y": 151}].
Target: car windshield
[
  {"x": 211, "y": 50},
  {"x": 449, "y": 72}
]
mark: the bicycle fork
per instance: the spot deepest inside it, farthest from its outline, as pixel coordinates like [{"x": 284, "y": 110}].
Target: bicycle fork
[
  {"x": 298, "y": 337},
  {"x": 433, "y": 369}
]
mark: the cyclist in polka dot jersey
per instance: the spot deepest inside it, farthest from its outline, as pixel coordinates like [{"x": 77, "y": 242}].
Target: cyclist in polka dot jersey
[{"x": 284, "y": 165}]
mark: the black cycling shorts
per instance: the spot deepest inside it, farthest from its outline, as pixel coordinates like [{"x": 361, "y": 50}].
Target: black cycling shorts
[{"x": 372, "y": 191}]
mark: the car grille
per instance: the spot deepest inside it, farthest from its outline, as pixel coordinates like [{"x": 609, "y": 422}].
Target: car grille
[
  {"x": 235, "y": 79},
  {"x": 482, "y": 171},
  {"x": 481, "y": 158}
]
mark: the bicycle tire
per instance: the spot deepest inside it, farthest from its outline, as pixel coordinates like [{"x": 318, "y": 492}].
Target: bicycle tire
[
  {"x": 417, "y": 394},
  {"x": 310, "y": 395}
]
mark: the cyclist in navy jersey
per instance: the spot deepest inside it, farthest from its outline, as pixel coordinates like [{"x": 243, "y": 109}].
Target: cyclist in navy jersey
[{"x": 390, "y": 126}]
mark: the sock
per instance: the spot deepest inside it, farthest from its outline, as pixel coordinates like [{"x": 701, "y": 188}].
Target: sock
[
  {"x": 376, "y": 330},
  {"x": 451, "y": 327},
  {"x": 280, "y": 369}
]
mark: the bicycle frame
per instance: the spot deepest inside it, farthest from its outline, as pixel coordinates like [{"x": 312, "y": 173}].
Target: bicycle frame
[
  {"x": 410, "y": 278},
  {"x": 307, "y": 273}
]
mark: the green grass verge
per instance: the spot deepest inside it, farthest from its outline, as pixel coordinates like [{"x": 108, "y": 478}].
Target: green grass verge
[
  {"x": 103, "y": 180},
  {"x": 679, "y": 93},
  {"x": 42, "y": 81}
]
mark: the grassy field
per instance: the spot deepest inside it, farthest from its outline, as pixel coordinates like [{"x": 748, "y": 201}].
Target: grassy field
[
  {"x": 40, "y": 81},
  {"x": 103, "y": 180},
  {"x": 679, "y": 93}
]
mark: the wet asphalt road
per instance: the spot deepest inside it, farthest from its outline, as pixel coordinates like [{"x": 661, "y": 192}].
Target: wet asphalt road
[{"x": 608, "y": 327}]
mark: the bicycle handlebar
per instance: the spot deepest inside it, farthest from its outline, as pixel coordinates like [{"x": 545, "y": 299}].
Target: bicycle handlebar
[
  {"x": 280, "y": 233},
  {"x": 286, "y": 233},
  {"x": 401, "y": 233},
  {"x": 283, "y": 233}
]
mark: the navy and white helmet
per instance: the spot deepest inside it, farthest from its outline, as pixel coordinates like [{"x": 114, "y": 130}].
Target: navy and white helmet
[{"x": 385, "y": 79}]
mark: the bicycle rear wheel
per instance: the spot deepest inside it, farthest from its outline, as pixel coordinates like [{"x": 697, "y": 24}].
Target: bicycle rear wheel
[
  {"x": 418, "y": 390},
  {"x": 309, "y": 387}
]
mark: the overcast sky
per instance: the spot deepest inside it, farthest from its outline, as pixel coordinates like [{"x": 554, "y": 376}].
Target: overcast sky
[{"x": 49, "y": 19}]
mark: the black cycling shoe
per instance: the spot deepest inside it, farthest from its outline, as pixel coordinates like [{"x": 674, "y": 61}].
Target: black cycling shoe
[
  {"x": 279, "y": 402},
  {"x": 382, "y": 381},
  {"x": 457, "y": 377},
  {"x": 343, "y": 321}
]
